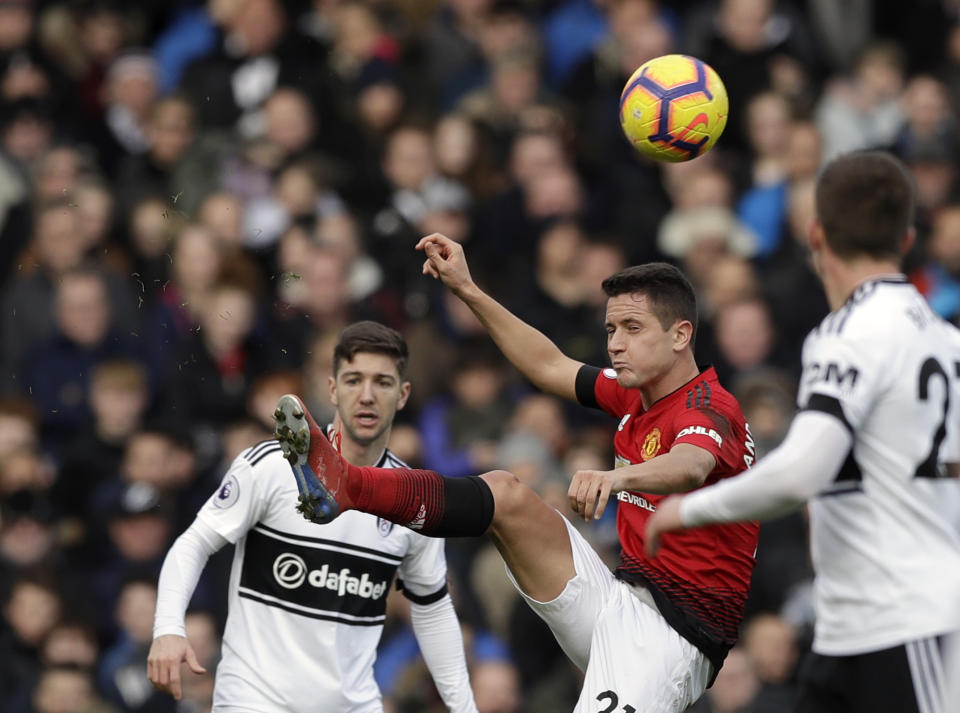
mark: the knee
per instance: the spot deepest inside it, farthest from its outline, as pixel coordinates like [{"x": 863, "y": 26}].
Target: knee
[{"x": 509, "y": 494}]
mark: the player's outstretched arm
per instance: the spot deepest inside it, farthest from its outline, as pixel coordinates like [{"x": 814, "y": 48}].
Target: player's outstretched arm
[
  {"x": 163, "y": 663},
  {"x": 528, "y": 349},
  {"x": 803, "y": 465},
  {"x": 178, "y": 578}
]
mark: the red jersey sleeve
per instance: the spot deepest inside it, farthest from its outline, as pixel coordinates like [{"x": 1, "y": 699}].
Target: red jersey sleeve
[
  {"x": 712, "y": 430},
  {"x": 598, "y": 388}
]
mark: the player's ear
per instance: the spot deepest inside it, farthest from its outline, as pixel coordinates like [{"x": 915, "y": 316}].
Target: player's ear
[
  {"x": 816, "y": 242},
  {"x": 682, "y": 334},
  {"x": 909, "y": 238},
  {"x": 404, "y": 395},
  {"x": 332, "y": 384},
  {"x": 815, "y": 237}
]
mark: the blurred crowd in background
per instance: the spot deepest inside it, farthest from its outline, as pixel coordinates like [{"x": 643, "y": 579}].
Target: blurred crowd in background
[{"x": 195, "y": 197}]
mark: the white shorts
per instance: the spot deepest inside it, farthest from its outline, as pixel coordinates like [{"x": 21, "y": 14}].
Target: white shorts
[{"x": 633, "y": 660}]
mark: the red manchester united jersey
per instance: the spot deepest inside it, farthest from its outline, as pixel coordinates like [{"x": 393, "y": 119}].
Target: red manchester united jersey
[{"x": 700, "y": 577}]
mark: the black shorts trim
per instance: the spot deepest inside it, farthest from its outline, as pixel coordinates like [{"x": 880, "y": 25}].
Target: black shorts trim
[{"x": 908, "y": 678}]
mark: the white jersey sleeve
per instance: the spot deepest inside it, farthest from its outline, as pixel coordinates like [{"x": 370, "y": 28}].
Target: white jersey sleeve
[
  {"x": 424, "y": 570},
  {"x": 441, "y": 643},
  {"x": 842, "y": 377},
  {"x": 179, "y": 576},
  {"x": 238, "y": 504}
]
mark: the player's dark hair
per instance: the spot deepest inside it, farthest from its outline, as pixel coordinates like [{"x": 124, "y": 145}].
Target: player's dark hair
[
  {"x": 669, "y": 291},
  {"x": 368, "y": 336},
  {"x": 865, "y": 204}
]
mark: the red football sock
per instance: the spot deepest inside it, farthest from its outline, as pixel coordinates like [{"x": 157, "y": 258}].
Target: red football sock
[{"x": 422, "y": 500}]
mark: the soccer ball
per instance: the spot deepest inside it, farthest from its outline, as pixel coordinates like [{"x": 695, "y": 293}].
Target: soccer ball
[{"x": 673, "y": 108}]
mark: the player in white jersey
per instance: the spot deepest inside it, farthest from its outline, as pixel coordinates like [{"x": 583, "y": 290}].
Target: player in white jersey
[
  {"x": 874, "y": 450},
  {"x": 307, "y": 602}
]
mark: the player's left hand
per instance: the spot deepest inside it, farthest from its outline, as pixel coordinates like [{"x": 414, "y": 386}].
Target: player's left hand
[
  {"x": 665, "y": 519},
  {"x": 589, "y": 491},
  {"x": 163, "y": 663}
]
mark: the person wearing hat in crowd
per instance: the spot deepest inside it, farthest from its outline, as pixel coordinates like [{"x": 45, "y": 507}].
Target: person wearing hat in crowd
[{"x": 699, "y": 235}]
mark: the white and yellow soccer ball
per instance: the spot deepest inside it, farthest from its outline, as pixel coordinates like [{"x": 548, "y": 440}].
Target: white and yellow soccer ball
[{"x": 673, "y": 108}]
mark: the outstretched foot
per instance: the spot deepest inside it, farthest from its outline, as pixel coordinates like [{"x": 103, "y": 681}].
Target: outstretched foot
[{"x": 320, "y": 471}]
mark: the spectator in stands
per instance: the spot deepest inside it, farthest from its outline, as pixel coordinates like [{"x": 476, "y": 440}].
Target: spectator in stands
[
  {"x": 28, "y": 533},
  {"x": 764, "y": 208},
  {"x": 119, "y": 395},
  {"x": 414, "y": 188},
  {"x": 787, "y": 279},
  {"x": 32, "y": 605},
  {"x": 340, "y": 233},
  {"x": 459, "y": 148},
  {"x": 222, "y": 214},
  {"x": 938, "y": 279},
  {"x": 58, "y": 375},
  {"x": 928, "y": 117},
  {"x": 864, "y": 110},
  {"x": 130, "y": 89},
  {"x": 735, "y": 689},
  {"x": 754, "y": 45},
  {"x": 460, "y": 430},
  {"x": 297, "y": 197},
  {"x": 67, "y": 689},
  {"x": 701, "y": 235},
  {"x": 122, "y": 674},
  {"x": 71, "y": 641},
  {"x": 771, "y": 644},
  {"x": 496, "y": 686},
  {"x": 18, "y": 425},
  {"x": 454, "y": 62},
  {"x": 28, "y": 305},
  {"x": 139, "y": 529},
  {"x": 202, "y": 632},
  {"x": 168, "y": 132},
  {"x": 746, "y": 338},
  {"x": 195, "y": 261},
  {"x": 211, "y": 371}
]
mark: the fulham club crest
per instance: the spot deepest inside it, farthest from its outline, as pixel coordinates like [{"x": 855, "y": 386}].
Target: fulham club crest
[{"x": 384, "y": 526}]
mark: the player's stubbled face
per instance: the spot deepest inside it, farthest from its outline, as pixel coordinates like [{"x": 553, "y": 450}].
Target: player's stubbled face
[
  {"x": 367, "y": 393},
  {"x": 639, "y": 348}
]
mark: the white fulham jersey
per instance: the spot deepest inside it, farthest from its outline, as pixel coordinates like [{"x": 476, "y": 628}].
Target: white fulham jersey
[
  {"x": 307, "y": 601},
  {"x": 886, "y": 534}
]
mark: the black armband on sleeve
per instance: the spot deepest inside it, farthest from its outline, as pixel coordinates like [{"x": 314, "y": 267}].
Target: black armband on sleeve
[
  {"x": 425, "y": 599},
  {"x": 829, "y": 405},
  {"x": 585, "y": 383}
]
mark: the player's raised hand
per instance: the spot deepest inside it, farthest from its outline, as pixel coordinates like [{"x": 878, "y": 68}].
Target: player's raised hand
[
  {"x": 445, "y": 261},
  {"x": 589, "y": 491},
  {"x": 163, "y": 663},
  {"x": 665, "y": 519}
]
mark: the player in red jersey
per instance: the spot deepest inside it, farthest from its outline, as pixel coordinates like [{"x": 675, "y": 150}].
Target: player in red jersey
[{"x": 651, "y": 636}]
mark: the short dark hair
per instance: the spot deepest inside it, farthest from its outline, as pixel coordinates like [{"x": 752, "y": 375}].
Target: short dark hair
[
  {"x": 369, "y": 336},
  {"x": 865, "y": 204},
  {"x": 670, "y": 293}
]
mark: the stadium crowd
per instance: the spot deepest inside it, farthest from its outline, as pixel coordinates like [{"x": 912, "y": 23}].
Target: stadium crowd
[{"x": 195, "y": 197}]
